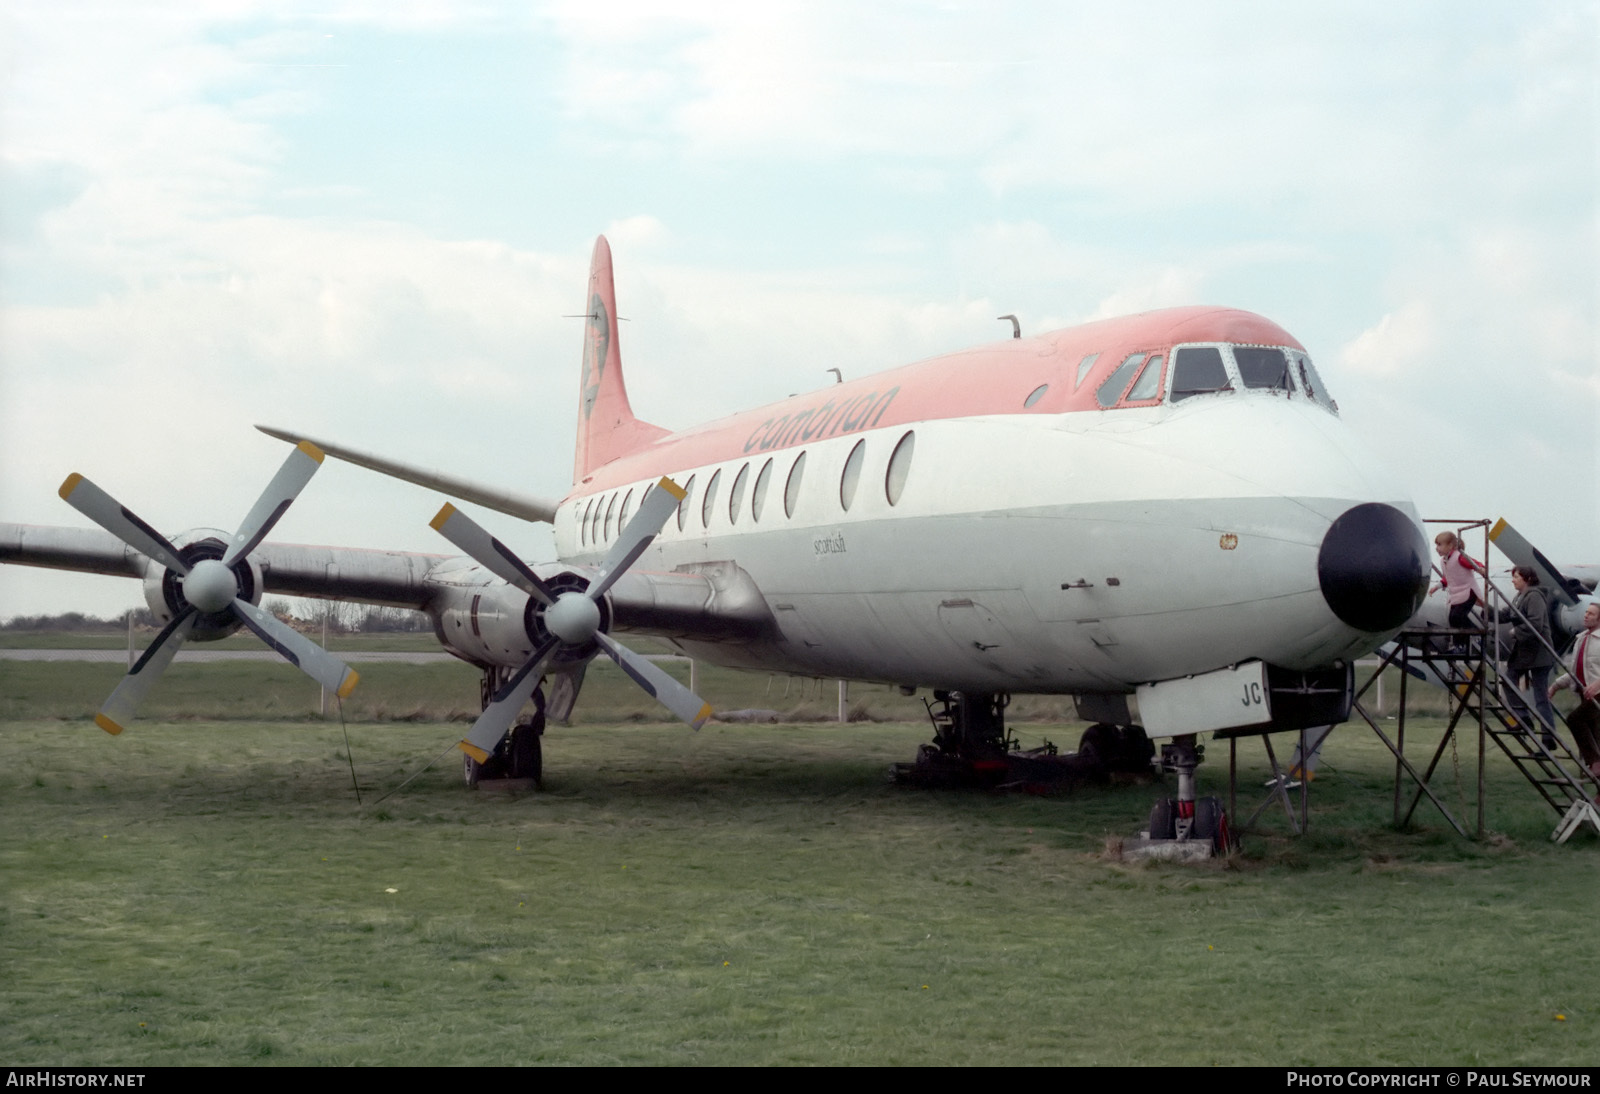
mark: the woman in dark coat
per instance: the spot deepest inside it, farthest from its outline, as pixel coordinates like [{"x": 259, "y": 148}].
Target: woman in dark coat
[{"x": 1530, "y": 661}]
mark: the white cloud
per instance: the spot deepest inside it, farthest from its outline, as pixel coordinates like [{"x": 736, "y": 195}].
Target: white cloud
[
  {"x": 637, "y": 232},
  {"x": 1398, "y": 341}
]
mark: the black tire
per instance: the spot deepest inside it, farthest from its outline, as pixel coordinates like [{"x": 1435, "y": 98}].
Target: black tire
[
  {"x": 1163, "y": 819},
  {"x": 1211, "y": 823},
  {"x": 1102, "y": 743},
  {"x": 1137, "y": 749},
  {"x": 471, "y": 770},
  {"x": 526, "y": 751}
]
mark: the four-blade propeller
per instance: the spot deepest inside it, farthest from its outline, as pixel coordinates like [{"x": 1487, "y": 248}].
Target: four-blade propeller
[
  {"x": 210, "y": 586},
  {"x": 571, "y": 617}
]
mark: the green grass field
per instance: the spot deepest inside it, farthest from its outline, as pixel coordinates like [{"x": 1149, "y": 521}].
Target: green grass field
[{"x": 209, "y": 892}]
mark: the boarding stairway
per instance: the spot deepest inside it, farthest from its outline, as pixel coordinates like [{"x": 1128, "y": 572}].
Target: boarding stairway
[{"x": 1465, "y": 663}]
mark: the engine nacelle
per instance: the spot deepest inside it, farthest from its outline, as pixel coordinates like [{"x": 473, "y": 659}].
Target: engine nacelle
[
  {"x": 163, "y": 588},
  {"x": 483, "y": 620}
]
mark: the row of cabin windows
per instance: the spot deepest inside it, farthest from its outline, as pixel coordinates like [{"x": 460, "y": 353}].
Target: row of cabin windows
[
  {"x": 1202, "y": 370},
  {"x": 605, "y": 517}
]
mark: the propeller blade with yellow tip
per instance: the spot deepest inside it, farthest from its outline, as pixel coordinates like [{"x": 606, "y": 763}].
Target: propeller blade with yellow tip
[
  {"x": 108, "y": 513},
  {"x": 209, "y": 585},
  {"x": 658, "y": 505},
  {"x": 297, "y": 649},
  {"x": 1515, "y": 546},
  {"x": 487, "y": 551},
  {"x": 689, "y": 707},
  {"x": 118, "y": 711},
  {"x": 572, "y": 619},
  {"x": 275, "y": 500}
]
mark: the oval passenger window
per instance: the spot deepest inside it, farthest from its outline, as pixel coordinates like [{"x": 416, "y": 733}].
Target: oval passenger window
[
  {"x": 852, "y": 475},
  {"x": 894, "y": 483},
  {"x": 710, "y": 500},
  {"x": 736, "y": 495},
  {"x": 758, "y": 498},
  {"x": 791, "y": 490}
]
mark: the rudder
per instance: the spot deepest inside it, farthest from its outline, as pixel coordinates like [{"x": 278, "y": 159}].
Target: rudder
[{"x": 607, "y": 428}]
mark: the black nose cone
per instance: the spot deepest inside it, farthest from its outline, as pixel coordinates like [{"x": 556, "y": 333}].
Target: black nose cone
[{"x": 1373, "y": 567}]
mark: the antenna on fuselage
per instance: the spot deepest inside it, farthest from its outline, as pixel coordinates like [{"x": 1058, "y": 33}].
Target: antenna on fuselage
[
  {"x": 1016, "y": 327},
  {"x": 838, "y": 377}
]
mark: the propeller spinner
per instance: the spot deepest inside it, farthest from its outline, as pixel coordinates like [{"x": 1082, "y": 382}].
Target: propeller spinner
[
  {"x": 571, "y": 616},
  {"x": 209, "y": 586}
]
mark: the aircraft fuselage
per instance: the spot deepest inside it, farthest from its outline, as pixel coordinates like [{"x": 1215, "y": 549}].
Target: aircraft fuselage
[{"x": 952, "y": 525}]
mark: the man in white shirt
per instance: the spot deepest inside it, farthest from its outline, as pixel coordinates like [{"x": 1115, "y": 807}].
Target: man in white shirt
[{"x": 1585, "y": 678}]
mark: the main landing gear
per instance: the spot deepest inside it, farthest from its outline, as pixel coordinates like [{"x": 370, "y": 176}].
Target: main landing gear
[
  {"x": 519, "y": 757},
  {"x": 971, "y": 747},
  {"x": 1186, "y": 826}
]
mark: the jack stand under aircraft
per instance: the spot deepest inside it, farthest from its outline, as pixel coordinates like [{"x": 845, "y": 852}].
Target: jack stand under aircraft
[
  {"x": 972, "y": 747},
  {"x": 517, "y": 762}
]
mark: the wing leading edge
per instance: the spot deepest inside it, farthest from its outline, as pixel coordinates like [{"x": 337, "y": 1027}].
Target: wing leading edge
[{"x": 524, "y": 506}]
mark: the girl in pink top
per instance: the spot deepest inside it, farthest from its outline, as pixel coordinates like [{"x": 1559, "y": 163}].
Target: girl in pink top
[{"x": 1459, "y": 578}]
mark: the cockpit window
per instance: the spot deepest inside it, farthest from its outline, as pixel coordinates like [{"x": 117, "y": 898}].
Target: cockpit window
[
  {"x": 1148, "y": 385},
  {"x": 1112, "y": 387},
  {"x": 1263, "y": 368},
  {"x": 1198, "y": 370},
  {"x": 1207, "y": 370},
  {"x": 1083, "y": 369},
  {"x": 1313, "y": 382}
]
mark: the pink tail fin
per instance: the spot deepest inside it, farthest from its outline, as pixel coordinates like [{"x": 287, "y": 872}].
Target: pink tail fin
[{"x": 607, "y": 428}]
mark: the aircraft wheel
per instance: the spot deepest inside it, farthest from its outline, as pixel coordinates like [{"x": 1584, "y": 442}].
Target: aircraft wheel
[
  {"x": 471, "y": 770},
  {"x": 1163, "y": 820},
  {"x": 1137, "y": 749},
  {"x": 527, "y": 752},
  {"x": 1211, "y": 822},
  {"x": 1101, "y": 742}
]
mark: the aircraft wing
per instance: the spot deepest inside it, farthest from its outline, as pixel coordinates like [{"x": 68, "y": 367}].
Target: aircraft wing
[
  {"x": 86, "y": 551},
  {"x": 388, "y": 578},
  {"x": 711, "y": 602},
  {"x": 525, "y": 506}
]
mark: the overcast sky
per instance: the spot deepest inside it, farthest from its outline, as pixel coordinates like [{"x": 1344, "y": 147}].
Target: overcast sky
[{"x": 370, "y": 221}]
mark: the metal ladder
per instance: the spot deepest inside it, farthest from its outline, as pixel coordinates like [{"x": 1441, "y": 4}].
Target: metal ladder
[{"x": 1477, "y": 692}]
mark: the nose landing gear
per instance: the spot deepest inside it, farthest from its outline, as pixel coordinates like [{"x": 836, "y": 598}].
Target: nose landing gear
[{"x": 1185, "y": 827}]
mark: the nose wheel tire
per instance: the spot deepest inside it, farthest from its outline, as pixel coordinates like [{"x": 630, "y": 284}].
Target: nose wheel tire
[
  {"x": 1211, "y": 823},
  {"x": 1163, "y": 820}
]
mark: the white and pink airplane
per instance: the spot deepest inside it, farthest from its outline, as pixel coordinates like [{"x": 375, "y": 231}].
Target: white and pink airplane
[{"x": 1165, "y": 506}]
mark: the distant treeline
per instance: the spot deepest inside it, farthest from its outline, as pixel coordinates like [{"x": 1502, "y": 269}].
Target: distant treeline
[
  {"x": 305, "y": 615},
  {"x": 77, "y": 621},
  {"x": 349, "y": 618}
]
